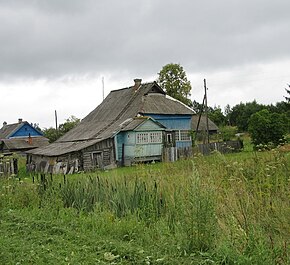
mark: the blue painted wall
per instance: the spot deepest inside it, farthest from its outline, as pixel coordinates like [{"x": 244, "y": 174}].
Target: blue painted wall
[
  {"x": 175, "y": 122},
  {"x": 25, "y": 130},
  {"x": 131, "y": 148}
]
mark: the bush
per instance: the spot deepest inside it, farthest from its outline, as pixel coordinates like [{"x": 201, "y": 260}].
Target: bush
[
  {"x": 228, "y": 132},
  {"x": 266, "y": 128}
]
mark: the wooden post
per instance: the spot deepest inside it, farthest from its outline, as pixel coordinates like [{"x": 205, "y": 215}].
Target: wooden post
[
  {"x": 199, "y": 118},
  {"x": 123, "y": 155},
  {"x": 56, "y": 124},
  {"x": 55, "y": 115},
  {"x": 206, "y": 110}
]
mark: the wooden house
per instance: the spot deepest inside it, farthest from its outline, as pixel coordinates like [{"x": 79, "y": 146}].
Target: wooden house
[
  {"x": 20, "y": 137},
  {"x": 115, "y": 133},
  {"x": 140, "y": 139}
]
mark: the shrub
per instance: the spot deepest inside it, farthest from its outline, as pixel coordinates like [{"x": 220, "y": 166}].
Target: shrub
[
  {"x": 266, "y": 127},
  {"x": 228, "y": 132}
]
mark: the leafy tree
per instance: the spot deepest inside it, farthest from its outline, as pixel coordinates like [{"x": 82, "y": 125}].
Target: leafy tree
[
  {"x": 70, "y": 123},
  {"x": 241, "y": 114},
  {"x": 228, "y": 132},
  {"x": 172, "y": 78},
  {"x": 52, "y": 134},
  {"x": 197, "y": 107},
  {"x": 228, "y": 112},
  {"x": 266, "y": 127},
  {"x": 217, "y": 116},
  {"x": 288, "y": 92},
  {"x": 36, "y": 126}
]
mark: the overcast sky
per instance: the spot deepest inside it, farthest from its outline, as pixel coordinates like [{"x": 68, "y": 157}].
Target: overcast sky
[{"x": 54, "y": 53}]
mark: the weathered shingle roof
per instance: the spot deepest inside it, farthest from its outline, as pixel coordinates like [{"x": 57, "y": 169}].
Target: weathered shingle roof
[
  {"x": 105, "y": 120},
  {"x": 58, "y": 149},
  {"x": 121, "y": 105},
  {"x": 202, "y": 124},
  {"x": 163, "y": 104},
  {"x": 9, "y": 129},
  {"x": 20, "y": 143}
]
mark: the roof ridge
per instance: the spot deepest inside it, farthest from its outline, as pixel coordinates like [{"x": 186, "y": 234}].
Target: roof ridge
[{"x": 142, "y": 84}]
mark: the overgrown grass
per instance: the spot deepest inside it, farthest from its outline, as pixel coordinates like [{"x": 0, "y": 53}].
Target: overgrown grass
[{"x": 220, "y": 209}]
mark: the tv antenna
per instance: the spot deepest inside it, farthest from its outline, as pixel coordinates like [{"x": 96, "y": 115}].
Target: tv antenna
[{"x": 103, "y": 87}]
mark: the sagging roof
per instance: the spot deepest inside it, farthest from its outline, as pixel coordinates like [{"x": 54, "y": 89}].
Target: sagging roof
[
  {"x": 58, "y": 149},
  {"x": 24, "y": 143}
]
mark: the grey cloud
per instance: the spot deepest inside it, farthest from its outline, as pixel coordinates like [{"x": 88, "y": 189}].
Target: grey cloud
[{"x": 53, "y": 38}]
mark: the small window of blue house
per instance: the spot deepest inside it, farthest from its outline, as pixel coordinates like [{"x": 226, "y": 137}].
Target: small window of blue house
[
  {"x": 149, "y": 138},
  {"x": 182, "y": 135}
]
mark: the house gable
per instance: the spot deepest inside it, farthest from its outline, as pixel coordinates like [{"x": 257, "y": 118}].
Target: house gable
[
  {"x": 149, "y": 125},
  {"x": 173, "y": 122},
  {"x": 142, "y": 137},
  {"x": 25, "y": 130}
]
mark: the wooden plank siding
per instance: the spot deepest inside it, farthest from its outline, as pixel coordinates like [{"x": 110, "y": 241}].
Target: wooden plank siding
[{"x": 104, "y": 150}]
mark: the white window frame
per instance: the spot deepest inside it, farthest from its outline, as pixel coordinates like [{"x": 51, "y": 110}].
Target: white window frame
[
  {"x": 148, "y": 137},
  {"x": 182, "y": 136}
]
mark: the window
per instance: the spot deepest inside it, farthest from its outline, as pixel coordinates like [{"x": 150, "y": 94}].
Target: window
[
  {"x": 155, "y": 137},
  {"x": 149, "y": 137},
  {"x": 142, "y": 138},
  {"x": 182, "y": 135}
]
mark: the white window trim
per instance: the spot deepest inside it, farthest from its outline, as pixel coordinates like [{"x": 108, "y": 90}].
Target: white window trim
[
  {"x": 178, "y": 135},
  {"x": 149, "y": 137}
]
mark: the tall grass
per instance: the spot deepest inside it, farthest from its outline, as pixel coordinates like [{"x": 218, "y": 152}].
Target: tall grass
[{"x": 224, "y": 209}]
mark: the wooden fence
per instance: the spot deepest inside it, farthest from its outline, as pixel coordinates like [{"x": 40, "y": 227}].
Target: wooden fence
[
  {"x": 222, "y": 147},
  {"x": 171, "y": 154},
  {"x": 8, "y": 166}
]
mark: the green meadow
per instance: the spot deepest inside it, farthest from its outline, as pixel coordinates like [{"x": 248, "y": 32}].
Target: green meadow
[{"x": 217, "y": 209}]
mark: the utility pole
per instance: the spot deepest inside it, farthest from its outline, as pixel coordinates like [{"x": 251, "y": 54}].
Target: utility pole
[
  {"x": 199, "y": 118},
  {"x": 206, "y": 109}
]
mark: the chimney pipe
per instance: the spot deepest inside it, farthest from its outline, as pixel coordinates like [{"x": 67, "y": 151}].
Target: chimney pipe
[
  {"x": 19, "y": 120},
  {"x": 29, "y": 139},
  {"x": 137, "y": 83},
  {"x": 4, "y": 123}
]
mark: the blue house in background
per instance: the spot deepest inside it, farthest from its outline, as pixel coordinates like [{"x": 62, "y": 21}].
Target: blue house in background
[
  {"x": 20, "y": 129},
  {"x": 20, "y": 137}
]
